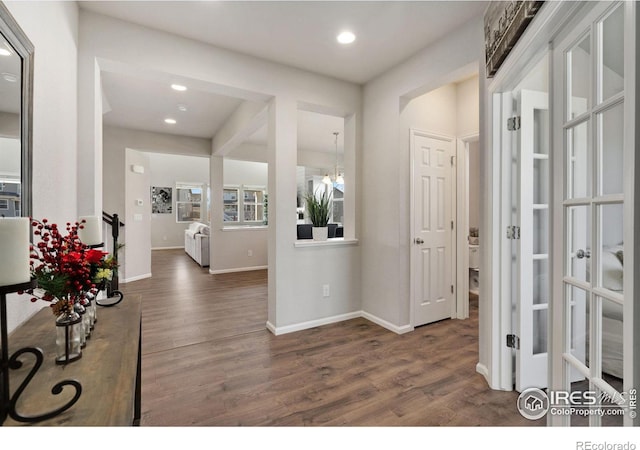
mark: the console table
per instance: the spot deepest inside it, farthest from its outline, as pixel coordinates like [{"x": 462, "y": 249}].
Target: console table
[{"x": 109, "y": 370}]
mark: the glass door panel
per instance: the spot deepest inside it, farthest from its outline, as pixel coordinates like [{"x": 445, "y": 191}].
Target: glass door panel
[
  {"x": 540, "y": 281},
  {"x": 611, "y": 344},
  {"x": 578, "y": 307},
  {"x": 579, "y": 86},
  {"x": 540, "y": 230},
  {"x": 611, "y": 258},
  {"x": 578, "y": 163},
  {"x": 539, "y": 331},
  {"x": 579, "y": 242},
  {"x": 540, "y": 172},
  {"x": 610, "y": 149},
  {"x": 611, "y": 60}
]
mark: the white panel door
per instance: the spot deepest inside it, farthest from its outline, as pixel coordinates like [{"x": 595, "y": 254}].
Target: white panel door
[{"x": 432, "y": 258}]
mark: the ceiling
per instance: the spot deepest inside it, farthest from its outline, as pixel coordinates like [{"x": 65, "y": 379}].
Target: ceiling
[
  {"x": 9, "y": 79},
  {"x": 300, "y": 34}
]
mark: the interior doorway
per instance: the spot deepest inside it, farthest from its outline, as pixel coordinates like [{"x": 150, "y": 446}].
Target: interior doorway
[
  {"x": 440, "y": 127},
  {"x": 433, "y": 209}
]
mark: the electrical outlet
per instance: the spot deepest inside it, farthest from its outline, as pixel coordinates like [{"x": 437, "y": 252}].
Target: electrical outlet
[
  {"x": 250, "y": 253},
  {"x": 325, "y": 290}
]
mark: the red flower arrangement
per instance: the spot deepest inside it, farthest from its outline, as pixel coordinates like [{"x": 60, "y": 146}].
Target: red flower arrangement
[{"x": 61, "y": 265}]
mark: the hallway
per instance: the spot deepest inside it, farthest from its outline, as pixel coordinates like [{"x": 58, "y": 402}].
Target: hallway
[{"x": 208, "y": 360}]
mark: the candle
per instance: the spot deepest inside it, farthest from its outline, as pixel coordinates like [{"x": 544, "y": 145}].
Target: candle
[
  {"x": 14, "y": 251},
  {"x": 91, "y": 234}
]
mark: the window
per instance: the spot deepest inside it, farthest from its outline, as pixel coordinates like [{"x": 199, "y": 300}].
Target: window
[
  {"x": 188, "y": 202},
  {"x": 253, "y": 205},
  {"x": 4, "y": 204},
  {"x": 337, "y": 209},
  {"x": 248, "y": 199},
  {"x": 230, "y": 200}
]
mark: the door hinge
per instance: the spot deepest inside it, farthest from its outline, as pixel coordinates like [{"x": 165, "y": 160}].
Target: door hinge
[
  {"x": 452, "y": 288},
  {"x": 513, "y": 341},
  {"x": 452, "y": 224},
  {"x": 513, "y": 123},
  {"x": 513, "y": 232},
  {"x": 453, "y": 160}
]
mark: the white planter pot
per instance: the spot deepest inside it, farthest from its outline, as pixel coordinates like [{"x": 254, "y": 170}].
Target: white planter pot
[{"x": 320, "y": 233}]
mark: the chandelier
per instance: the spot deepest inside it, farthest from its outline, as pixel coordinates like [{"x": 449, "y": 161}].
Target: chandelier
[{"x": 337, "y": 175}]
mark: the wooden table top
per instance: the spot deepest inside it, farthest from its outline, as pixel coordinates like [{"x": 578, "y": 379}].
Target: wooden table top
[{"x": 106, "y": 371}]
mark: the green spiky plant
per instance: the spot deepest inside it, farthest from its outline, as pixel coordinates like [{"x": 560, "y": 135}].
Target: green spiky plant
[{"x": 318, "y": 208}]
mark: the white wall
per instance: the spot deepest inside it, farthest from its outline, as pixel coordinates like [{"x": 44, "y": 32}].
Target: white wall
[
  {"x": 245, "y": 172},
  {"x": 166, "y": 170},
  {"x": 237, "y": 248},
  {"x": 116, "y": 140},
  {"x": 385, "y": 288},
  {"x": 474, "y": 185},
  {"x": 137, "y": 219},
  {"x": 9, "y": 124},
  {"x": 468, "y": 118},
  {"x": 10, "y": 158},
  {"x": 118, "y": 44},
  {"x": 468, "y": 107},
  {"x": 435, "y": 111},
  {"x": 52, "y": 27}
]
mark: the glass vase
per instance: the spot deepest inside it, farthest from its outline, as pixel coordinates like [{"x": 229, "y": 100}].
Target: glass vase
[
  {"x": 78, "y": 308},
  {"x": 68, "y": 337},
  {"x": 91, "y": 309}
]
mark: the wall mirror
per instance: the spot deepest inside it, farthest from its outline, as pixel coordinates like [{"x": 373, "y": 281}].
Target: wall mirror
[{"x": 16, "y": 100}]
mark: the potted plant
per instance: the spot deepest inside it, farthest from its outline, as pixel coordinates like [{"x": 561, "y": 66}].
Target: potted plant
[{"x": 319, "y": 212}]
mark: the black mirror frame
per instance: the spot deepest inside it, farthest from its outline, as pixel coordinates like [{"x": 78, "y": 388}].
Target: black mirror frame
[{"x": 12, "y": 32}]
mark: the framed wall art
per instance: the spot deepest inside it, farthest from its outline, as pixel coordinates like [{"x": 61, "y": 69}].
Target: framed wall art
[
  {"x": 504, "y": 23},
  {"x": 161, "y": 200}
]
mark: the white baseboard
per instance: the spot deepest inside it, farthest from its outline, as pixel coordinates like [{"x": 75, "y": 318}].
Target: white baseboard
[
  {"x": 388, "y": 325},
  {"x": 179, "y": 247},
  {"x": 482, "y": 370},
  {"x": 136, "y": 278},
  {"x": 312, "y": 323},
  {"x": 335, "y": 319},
  {"x": 237, "y": 269}
]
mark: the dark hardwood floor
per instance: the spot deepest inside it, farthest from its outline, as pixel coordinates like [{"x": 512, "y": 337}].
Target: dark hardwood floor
[{"x": 208, "y": 360}]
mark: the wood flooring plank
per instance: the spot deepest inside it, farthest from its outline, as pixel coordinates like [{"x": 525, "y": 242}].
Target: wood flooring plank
[{"x": 208, "y": 360}]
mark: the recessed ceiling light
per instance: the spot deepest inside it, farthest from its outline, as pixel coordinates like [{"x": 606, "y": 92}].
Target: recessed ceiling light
[
  {"x": 4, "y": 52},
  {"x": 178, "y": 87},
  {"x": 170, "y": 121},
  {"x": 182, "y": 108},
  {"x": 346, "y": 37}
]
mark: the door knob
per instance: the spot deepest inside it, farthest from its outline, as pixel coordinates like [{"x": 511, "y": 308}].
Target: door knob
[
  {"x": 418, "y": 241},
  {"x": 583, "y": 254}
]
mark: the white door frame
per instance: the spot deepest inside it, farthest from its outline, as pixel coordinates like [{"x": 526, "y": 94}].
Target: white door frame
[
  {"x": 462, "y": 224},
  {"x": 495, "y": 323},
  {"x": 412, "y": 260}
]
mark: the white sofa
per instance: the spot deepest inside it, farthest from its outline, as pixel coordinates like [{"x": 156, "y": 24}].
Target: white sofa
[{"x": 196, "y": 242}]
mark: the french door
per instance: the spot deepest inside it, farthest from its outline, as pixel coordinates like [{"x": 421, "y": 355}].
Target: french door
[
  {"x": 532, "y": 243},
  {"x": 589, "y": 207}
]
